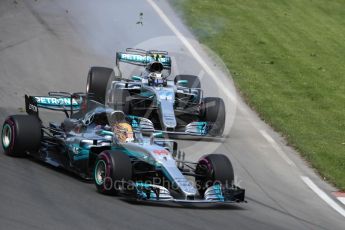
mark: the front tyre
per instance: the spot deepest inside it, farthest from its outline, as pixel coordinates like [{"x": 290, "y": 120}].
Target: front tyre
[
  {"x": 21, "y": 134},
  {"x": 112, "y": 169},
  {"x": 213, "y": 169},
  {"x": 213, "y": 111}
]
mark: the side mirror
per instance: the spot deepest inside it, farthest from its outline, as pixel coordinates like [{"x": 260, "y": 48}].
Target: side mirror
[
  {"x": 108, "y": 135},
  {"x": 182, "y": 82},
  {"x": 155, "y": 135},
  {"x": 105, "y": 133},
  {"x": 158, "y": 135},
  {"x": 136, "y": 78}
]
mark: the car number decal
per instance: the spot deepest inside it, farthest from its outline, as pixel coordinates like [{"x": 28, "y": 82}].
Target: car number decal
[{"x": 161, "y": 152}]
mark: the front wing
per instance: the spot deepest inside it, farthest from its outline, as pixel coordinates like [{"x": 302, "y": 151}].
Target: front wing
[{"x": 215, "y": 194}]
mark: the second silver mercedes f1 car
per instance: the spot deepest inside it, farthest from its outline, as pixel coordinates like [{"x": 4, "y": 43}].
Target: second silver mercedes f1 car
[{"x": 176, "y": 106}]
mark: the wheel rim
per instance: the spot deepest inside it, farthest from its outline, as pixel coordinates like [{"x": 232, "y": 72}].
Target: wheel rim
[
  {"x": 100, "y": 172},
  {"x": 88, "y": 84},
  {"x": 87, "y": 87},
  {"x": 6, "y": 136}
]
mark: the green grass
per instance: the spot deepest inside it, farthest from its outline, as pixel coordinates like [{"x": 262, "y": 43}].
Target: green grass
[{"x": 287, "y": 57}]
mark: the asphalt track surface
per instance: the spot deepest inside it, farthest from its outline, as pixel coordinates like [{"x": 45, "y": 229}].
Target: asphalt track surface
[{"x": 50, "y": 44}]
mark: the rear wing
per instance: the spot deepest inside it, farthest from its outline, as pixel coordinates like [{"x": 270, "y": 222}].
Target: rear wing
[
  {"x": 142, "y": 57},
  {"x": 57, "y": 101}
]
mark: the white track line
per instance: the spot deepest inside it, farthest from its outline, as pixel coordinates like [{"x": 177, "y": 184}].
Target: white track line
[
  {"x": 341, "y": 199},
  {"x": 323, "y": 195},
  {"x": 192, "y": 50},
  {"x": 197, "y": 57},
  {"x": 277, "y": 148}
]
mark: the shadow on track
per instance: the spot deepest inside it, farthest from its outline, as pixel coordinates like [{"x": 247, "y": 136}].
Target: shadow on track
[{"x": 199, "y": 206}]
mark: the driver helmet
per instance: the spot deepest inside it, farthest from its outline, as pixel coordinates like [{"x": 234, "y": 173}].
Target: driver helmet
[
  {"x": 155, "y": 67},
  {"x": 123, "y": 132},
  {"x": 155, "y": 75}
]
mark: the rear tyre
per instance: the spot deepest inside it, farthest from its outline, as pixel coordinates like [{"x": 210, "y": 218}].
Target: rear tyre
[
  {"x": 213, "y": 169},
  {"x": 193, "y": 81},
  {"x": 213, "y": 111},
  {"x": 21, "y": 134},
  {"x": 112, "y": 170},
  {"x": 97, "y": 83}
]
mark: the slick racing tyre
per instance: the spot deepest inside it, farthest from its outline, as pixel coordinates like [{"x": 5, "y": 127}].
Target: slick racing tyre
[
  {"x": 121, "y": 100},
  {"x": 112, "y": 170},
  {"x": 213, "y": 111},
  {"x": 212, "y": 169},
  {"x": 97, "y": 83},
  {"x": 192, "y": 81},
  {"x": 21, "y": 134}
]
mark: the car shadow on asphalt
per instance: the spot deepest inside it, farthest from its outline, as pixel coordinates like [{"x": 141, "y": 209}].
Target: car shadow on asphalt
[
  {"x": 200, "y": 206},
  {"x": 57, "y": 169}
]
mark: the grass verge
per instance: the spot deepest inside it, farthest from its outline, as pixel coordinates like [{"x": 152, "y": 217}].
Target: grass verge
[{"x": 287, "y": 57}]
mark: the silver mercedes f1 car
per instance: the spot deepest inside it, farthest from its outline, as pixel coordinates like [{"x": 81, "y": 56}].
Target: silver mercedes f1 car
[
  {"x": 175, "y": 106},
  {"x": 101, "y": 144}
]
